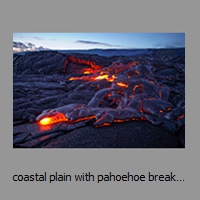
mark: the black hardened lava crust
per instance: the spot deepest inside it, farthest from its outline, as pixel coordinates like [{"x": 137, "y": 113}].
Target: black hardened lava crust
[{"x": 95, "y": 101}]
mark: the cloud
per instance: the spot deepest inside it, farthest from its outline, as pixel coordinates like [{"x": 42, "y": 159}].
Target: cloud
[
  {"x": 21, "y": 47},
  {"x": 31, "y": 46},
  {"x": 96, "y": 43},
  {"x": 38, "y": 38}
]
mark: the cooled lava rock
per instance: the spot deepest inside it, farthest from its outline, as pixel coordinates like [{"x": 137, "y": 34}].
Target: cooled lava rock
[{"x": 91, "y": 101}]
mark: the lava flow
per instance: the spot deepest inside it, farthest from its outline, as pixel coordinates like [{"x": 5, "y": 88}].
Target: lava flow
[
  {"x": 129, "y": 92},
  {"x": 58, "y": 117},
  {"x": 94, "y": 77}
]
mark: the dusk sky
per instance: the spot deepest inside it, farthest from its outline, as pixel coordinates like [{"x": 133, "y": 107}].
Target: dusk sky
[{"x": 56, "y": 41}]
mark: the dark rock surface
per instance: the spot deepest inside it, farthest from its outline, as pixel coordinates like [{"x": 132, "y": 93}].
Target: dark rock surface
[{"x": 150, "y": 108}]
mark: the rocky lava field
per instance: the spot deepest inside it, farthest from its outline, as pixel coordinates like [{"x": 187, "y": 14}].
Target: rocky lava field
[{"x": 80, "y": 100}]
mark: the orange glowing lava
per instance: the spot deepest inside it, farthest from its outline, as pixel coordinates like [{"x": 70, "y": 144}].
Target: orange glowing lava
[
  {"x": 93, "y": 78},
  {"x": 83, "y": 78},
  {"x": 101, "y": 77},
  {"x": 107, "y": 77},
  {"x": 122, "y": 84},
  {"x": 168, "y": 109},
  {"x": 59, "y": 117},
  {"x": 122, "y": 120},
  {"x": 104, "y": 124},
  {"x": 180, "y": 117},
  {"x": 80, "y": 61},
  {"x": 135, "y": 87},
  {"x": 87, "y": 71},
  {"x": 45, "y": 121},
  {"x": 84, "y": 118}
]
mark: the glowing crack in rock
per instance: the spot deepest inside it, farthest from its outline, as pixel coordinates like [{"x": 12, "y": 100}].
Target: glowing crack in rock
[{"x": 122, "y": 84}]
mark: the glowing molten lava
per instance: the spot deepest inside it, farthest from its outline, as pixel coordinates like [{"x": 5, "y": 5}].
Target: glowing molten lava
[
  {"x": 104, "y": 124},
  {"x": 45, "y": 121},
  {"x": 180, "y": 117},
  {"x": 122, "y": 84},
  {"x": 93, "y": 78},
  {"x": 59, "y": 117},
  {"x": 85, "y": 118},
  {"x": 107, "y": 77},
  {"x": 87, "y": 72}
]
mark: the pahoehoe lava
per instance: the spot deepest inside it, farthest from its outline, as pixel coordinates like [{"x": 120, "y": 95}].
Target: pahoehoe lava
[{"x": 56, "y": 94}]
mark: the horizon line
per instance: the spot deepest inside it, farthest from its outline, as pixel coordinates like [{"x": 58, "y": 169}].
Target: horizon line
[{"x": 99, "y": 49}]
